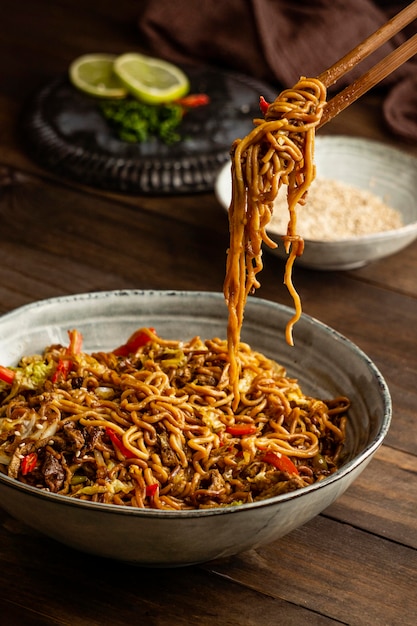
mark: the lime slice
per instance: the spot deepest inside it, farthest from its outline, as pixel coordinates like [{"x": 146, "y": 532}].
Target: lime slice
[
  {"x": 93, "y": 74},
  {"x": 149, "y": 79}
]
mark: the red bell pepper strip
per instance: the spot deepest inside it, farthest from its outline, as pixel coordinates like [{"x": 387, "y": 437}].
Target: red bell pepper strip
[
  {"x": 281, "y": 462},
  {"x": 7, "y": 375},
  {"x": 29, "y": 463},
  {"x": 118, "y": 443},
  {"x": 193, "y": 100},
  {"x": 151, "y": 489},
  {"x": 239, "y": 430},
  {"x": 139, "y": 338},
  {"x": 263, "y": 105},
  {"x": 64, "y": 365}
]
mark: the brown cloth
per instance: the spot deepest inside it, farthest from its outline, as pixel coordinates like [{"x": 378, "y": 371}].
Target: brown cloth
[{"x": 274, "y": 40}]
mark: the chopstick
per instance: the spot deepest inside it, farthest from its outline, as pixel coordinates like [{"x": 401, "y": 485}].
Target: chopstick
[
  {"x": 369, "y": 45},
  {"x": 377, "y": 73}
]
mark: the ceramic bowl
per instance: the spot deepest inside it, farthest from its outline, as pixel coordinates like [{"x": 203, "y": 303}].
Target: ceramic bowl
[
  {"x": 366, "y": 164},
  {"x": 174, "y": 538}
]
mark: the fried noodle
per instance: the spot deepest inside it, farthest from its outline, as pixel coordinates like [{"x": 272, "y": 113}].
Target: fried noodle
[
  {"x": 279, "y": 150},
  {"x": 192, "y": 424},
  {"x": 157, "y": 428}
]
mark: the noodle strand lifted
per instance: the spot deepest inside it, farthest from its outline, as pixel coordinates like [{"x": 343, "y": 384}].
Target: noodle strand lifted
[
  {"x": 192, "y": 424},
  {"x": 279, "y": 150}
]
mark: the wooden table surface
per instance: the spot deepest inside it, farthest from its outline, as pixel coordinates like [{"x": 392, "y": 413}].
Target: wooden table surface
[{"x": 354, "y": 564}]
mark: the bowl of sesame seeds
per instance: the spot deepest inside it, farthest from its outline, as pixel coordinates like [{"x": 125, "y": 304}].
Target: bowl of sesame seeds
[{"x": 361, "y": 207}]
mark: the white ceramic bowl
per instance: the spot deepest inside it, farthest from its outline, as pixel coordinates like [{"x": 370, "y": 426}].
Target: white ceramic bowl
[
  {"x": 366, "y": 164},
  {"x": 169, "y": 538}
]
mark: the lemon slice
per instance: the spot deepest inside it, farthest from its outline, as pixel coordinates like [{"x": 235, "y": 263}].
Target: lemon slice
[
  {"x": 149, "y": 79},
  {"x": 93, "y": 74}
]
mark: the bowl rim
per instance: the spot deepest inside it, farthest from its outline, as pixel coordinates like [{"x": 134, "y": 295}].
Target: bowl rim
[
  {"x": 344, "y": 470},
  {"x": 396, "y": 154}
]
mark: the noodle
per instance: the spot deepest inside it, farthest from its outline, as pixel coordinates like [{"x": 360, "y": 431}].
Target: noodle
[
  {"x": 279, "y": 150},
  {"x": 156, "y": 428},
  {"x": 187, "y": 425}
]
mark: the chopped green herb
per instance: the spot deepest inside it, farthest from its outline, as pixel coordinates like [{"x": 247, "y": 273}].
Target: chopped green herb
[{"x": 136, "y": 122}]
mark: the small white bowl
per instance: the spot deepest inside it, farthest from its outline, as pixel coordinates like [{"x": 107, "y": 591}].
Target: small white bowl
[
  {"x": 172, "y": 538},
  {"x": 366, "y": 164}
]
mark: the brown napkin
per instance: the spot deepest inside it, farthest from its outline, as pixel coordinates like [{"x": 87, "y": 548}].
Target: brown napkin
[{"x": 273, "y": 40}]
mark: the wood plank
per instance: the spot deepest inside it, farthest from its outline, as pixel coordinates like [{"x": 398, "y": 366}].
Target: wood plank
[
  {"x": 23, "y": 282},
  {"x": 396, "y": 272},
  {"x": 114, "y": 239},
  {"x": 353, "y": 573},
  {"x": 56, "y": 585},
  {"x": 383, "y": 500}
]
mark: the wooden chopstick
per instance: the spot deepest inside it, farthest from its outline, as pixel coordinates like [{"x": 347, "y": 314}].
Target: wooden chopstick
[
  {"x": 370, "y": 44},
  {"x": 377, "y": 73},
  {"x": 368, "y": 80}
]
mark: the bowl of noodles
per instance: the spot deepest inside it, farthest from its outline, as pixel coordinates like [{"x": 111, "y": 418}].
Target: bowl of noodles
[
  {"x": 361, "y": 207},
  {"x": 120, "y": 434}
]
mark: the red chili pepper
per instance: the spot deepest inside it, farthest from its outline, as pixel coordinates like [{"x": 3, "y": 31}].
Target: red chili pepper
[
  {"x": 281, "y": 462},
  {"x": 263, "y": 104},
  {"x": 29, "y": 463},
  {"x": 193, "y": 100},
  {"x": 7, "y": 375},
  {"x": 118, "y": 443},
  {"x": 139, "y": 338},
  {"x": 240, "y": 430},
  {"x": 64, "y": 365},
  {"x": 151, "y": 489},
  {"x": 62, "y": 369}
]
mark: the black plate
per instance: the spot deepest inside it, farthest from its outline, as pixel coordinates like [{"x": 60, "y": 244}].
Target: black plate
[{"x": 64, "y": 131}]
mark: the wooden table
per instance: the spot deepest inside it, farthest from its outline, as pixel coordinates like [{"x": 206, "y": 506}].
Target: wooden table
[{"x": 354, "y": 564}]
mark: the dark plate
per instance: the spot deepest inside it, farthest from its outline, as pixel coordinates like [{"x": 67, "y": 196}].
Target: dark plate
[{"x": 64, "y": 131}]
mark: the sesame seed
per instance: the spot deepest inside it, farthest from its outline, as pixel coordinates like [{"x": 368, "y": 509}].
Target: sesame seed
[{"x": 335, "y": 211}]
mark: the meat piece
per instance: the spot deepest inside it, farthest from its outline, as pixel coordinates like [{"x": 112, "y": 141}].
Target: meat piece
[
  {"x": 168, "y": 456},
  {"x": 53, "y": 473},
  {"x": 74, "y": 435},
  {"x": 95, "y": 438},
  {"x": 217, "y": 482}
]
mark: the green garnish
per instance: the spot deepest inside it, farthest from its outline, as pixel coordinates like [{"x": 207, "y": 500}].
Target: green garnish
[{"x": 137, "y": 122}]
